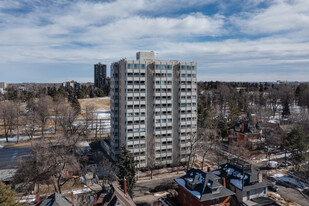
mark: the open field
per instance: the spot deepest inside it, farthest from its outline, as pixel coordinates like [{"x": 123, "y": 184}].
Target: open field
[{"x": 99, "y": 103}]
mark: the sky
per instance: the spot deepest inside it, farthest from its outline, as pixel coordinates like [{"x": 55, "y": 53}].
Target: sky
[{"x": 231, "y": 40}]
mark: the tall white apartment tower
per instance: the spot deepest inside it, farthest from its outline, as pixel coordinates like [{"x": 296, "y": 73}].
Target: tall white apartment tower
[{"x": 153, "y": 109}]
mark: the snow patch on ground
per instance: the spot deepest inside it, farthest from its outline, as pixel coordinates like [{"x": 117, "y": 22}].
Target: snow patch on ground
[
  {"x": 103, "y": 98},
  {"x": 80, "y": 191},
  {"x": 102, "y": 114},
  {"x": 8, "y": 174},
  {"x": 161, "y": 194},
  {"x": 273, "y": 157},
  {"x": 14, "y": 139}
]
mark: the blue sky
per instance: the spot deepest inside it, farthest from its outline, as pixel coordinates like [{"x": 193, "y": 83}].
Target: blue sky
[{"x": 231, "y": 40}]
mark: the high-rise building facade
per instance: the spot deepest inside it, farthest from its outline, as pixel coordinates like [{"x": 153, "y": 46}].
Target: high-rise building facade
[
  {"x": 153, "y": 109},
  {"x": 100, "y": 75}
]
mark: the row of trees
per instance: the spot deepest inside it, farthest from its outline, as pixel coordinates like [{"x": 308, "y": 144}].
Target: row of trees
[
  {"x": 26, "y": 93},
  {"x": 46, "y": 114},
  {"x": 266, "y": 99}
]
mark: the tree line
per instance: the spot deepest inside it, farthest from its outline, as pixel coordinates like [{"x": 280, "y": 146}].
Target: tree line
[
  {"x": 27, "y": 92},
  {"x": 38, "y": 116}
]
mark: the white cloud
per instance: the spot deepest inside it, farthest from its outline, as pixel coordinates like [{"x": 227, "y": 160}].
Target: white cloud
[
  {"x": 112, "y": 30},
  {"x": 281, "y": 16}
]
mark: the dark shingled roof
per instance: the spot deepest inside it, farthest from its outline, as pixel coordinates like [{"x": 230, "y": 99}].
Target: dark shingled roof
[
  {"x": 204, "y": 186},
  {"x": 256, "y": 186},
  {"x": 55, "y": 199},
  {"x": 260, "y": 201},
  {"x": 243, "y": 171}
]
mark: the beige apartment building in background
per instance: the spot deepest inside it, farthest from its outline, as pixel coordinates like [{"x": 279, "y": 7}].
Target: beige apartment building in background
[
  {"x": 153, "y": 109},
  {"x": 3, "y": 86}
]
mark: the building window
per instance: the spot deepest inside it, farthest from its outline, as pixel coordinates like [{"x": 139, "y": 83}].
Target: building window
[
  {"x": 130, "y": 66},
  {"x": 212, "y": 202},
  {"x": 184, "y": 198}
]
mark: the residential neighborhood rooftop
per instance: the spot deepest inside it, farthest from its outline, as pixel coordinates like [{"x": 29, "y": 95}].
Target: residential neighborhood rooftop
[{"x": 203, "y": 185}]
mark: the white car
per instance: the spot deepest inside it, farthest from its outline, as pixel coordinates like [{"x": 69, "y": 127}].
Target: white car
[{"x": 272, "y": 164}]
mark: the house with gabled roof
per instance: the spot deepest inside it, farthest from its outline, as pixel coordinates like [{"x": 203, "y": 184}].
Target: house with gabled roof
[
  {"x": 245, "y": 181},
  {"x": 202, "y": 188},
  {"x": 244, "y": 133},
  {"x": 55, "y": 199}
]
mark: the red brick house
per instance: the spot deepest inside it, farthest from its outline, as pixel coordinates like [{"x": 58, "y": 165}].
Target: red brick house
[
  {"x": 242, "y": 132},
  {"x": 198, "y": 188}
]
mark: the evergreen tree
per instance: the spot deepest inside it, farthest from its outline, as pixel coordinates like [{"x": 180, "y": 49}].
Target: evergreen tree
[
  {"x": 7, "y": 196},
  {"x": 99, "y": 93},
  {"x": 91, "y": 93},
  {"x": 222, "y": 126},
  {"x": 75, "y": 104},
  {"x": 202, "y": 113},
  {"x": 126, "y": 169},
  {"x": 106, "y": 89},
  {"x": 286, "y": 109},
  {"x": 296, "y": 142},
  {"x": 234, "y": 113}
]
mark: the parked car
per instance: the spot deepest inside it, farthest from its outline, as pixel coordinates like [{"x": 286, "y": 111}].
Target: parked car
[
  {"x": 272, "y": 164},
  {"x": 273, "y": 188},
  {"x": 288, "y": 164}
]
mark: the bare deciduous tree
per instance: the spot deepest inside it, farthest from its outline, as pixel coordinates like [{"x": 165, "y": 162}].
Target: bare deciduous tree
[
  {"x": 57, "y": 112},
  {"x": 204, "y": 147},
  {"x": 67, "y": 120},
  {"x": 29, "y": 123},
  {"x": 240, "y": 150},
  {"x": 51, "y": 162},
  {"x": 8, "y": 115},
  {"x": 42, "y": 110},
  {"x": 89, "y": 117},
  {"x": 17, "y": 109},
  {"x": 273, "y": 100},
  {"x": 194, "y": 140},
  {"x": 107, "y": 169}
]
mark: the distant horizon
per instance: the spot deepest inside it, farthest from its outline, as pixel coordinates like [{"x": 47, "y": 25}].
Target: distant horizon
[
  {"x": 283, "y": 81},
  {"x": 235, "y": 40}
]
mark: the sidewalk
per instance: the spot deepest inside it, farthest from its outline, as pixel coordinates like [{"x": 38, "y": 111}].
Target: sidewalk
[{"x": 161, "y": 176}]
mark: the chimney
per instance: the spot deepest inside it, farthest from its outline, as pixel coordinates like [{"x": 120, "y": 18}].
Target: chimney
[
  {"x": 37, "y": 197},
  {"x": 223, "y": 182},
  {"x": 72, "y": 197},
  {"x": 125, "y": 186},
  {"x": 95, "y": 200},
  {"x": 242, "y": 127},
  {"x": 208, "y": 169},
  {"x": 260, "y": 176}
]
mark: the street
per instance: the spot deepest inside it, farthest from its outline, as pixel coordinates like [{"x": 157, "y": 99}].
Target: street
[{"x": 9, "y": 155}]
